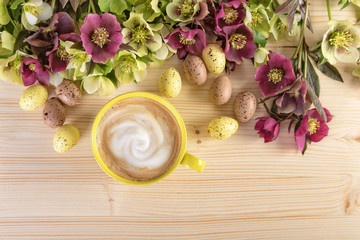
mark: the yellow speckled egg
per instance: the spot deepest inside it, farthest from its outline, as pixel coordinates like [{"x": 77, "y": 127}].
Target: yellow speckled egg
[
  {"x": 214, "y": 58},
  {"x": 170, "y": 83},
  {"x": 65, "y": 138},
  {"x": 33, "y": 97},
  {"x": 222, "y": 127}
]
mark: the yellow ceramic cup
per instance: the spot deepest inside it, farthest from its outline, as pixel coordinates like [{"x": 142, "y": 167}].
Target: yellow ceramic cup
[{"x": 183, "y": 158}]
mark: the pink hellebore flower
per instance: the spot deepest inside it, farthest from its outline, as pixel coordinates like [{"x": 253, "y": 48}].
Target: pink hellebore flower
[
  {"x": 186, "y": 40},
  {"x": 231, "y": 13},
  {"x": 101, "y": 36},
  {"x": 268, "y": 128},
  {"x": 312, "y": 127},
  {"x": 276, "y": 74},
  {"x": 31, "y": 71},
  {"x": 239, "y": 43}
]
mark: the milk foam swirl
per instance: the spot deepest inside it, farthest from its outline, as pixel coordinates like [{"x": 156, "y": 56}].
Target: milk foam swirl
[{"x": 140, "y": 138}]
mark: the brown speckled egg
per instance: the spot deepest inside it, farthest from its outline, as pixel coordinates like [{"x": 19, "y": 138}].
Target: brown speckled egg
[
  {"x": 194, "y": 70},
  {"x": 220, "y": 90},
  {"x": 54, "y": 113},
  {"x": 68, "y": 92},
  {"x": 244, "y": 106}
]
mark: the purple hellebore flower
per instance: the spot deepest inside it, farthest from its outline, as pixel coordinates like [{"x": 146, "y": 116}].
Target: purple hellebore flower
[
  {"x": 268, "y": 128},
  {"x": 231, "y": 13},
  {"x": 312, "y": 127},
  {"x": 239, "y": 43},
  {"x": 294, "y": 100},
  {"x": 31, "y": 71},
  {"x": 276, "y": 74},
  {"x": 186, "y": 40},
  {"x": 101, "y": 36}
]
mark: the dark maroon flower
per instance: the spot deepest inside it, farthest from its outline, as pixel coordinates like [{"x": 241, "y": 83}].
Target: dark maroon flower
[
  {"x": 312, "y": 127},
  {"x": 101, "y": 36},
  {"x": 239, "y": 43},
  {"x": 186, "y": 40},
  {"x": 276, "y": 74},
  {"x": 31, "y": 71},
  {"x": 268, "y": 128},
  {"x": 294, "y": 100},
  {"x": 231, "y": 13}
]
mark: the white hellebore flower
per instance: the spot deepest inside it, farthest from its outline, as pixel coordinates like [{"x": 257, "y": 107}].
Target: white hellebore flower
[{"x": 36, "y": 10}]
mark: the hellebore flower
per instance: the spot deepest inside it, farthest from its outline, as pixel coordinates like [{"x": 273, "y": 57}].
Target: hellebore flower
[
  {"x": 261, "y": 56},
  {"x": 149, "y": 8},
  {"x": 185, "y": 11},
  {"x": 98, "y": 84},
  {"x": 128, "y": 68},
  {"x": 279, "y": 27},
  {"x": 341, "y": 41},
  {"x": 231, "y": 13},
  {"x": 268, "y": 128},
  {"x": 257, "y": 19},
  {"x": 31, "y": 71},
  {"x": 7, "y": 42},
  {"x": 294, "y": 100},
  {"x": 186, "y": 40},
  {"x": 4, "y": 13},
  {"x": 139, "y": 35},
  {"x": 312, "y": 127},
  {"x": 101, "y": 36},
  {"x": 239, "y": 43},
  {"x": 35, "y": 11},
  {"x": 355, "y": 2},
  {"x": 276, "y": 74},
  {"x": 10, "y": 68}
]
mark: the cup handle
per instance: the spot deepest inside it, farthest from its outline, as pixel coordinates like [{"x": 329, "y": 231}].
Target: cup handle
[{"x": 193, "y": 162}]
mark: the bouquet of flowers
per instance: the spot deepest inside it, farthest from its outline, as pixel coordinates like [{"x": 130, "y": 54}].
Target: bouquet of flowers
[{"x": 100, "y": 45}]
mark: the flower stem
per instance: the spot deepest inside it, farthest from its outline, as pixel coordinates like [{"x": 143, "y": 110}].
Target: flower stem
[
  {"x": 303, "y": 24},
  {"x": 305, "y": 60},
  {"x": 92, "y": 6},
  {"x": 328, "y": 9}
]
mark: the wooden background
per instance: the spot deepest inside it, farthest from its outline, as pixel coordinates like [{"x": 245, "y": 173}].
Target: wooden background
[{"x": 248, "y": 190}]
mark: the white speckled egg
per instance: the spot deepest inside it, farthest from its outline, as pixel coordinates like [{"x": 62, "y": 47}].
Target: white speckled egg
[
  {"x": 65, "y": 138},
  {"x": 214, "y": 58},
  {"x": 170, "y": 83},
  {"x": 33, "y": 97}
]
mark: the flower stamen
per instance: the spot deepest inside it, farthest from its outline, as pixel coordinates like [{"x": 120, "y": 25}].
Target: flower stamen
[
  {"x": 281, "y": 26},
  {"x": 32, "y": 67},
  {"x": 127, "y": 64},
  {"x": 187, "y": 8},
  {"x": 341, "y": 39},
  {"x": 256, "y": 19},
  {"x": 140, "y": 34},
  {"x": 62, "y": 54},
  {"x": 230, "y": 15},
  {"x": 100, "y": 37},
  {"x": 186, "y": 41},
  {"x": 32, "y": 10},
  {"x": 237, "y": 40},
  {"x": 313, "y": 125},
  {"x": 275, "y": 75}
]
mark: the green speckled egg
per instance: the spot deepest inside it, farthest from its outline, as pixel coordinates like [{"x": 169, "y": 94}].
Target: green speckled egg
[
  {"x": 170, "y": 83},
  {"x": 65, "y": 138},
  {"x": 222, "y": 127},
  {"x": 33, "y": 97},
  {"x": 214, "y": 58}
]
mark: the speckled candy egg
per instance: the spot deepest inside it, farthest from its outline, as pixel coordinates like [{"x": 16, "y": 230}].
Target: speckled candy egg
[
  {"x": 245, "y": 106},
  {"x": 33, "y": 97},
  {"x": 194, "y": 70},
  {"x": 65, "y": 138},
  {"x": 222, "y": 127},
  {"x": 68, "y": 92},
  {"x": 170, "y": 83},
  {"x": 220, "y": 90},
  {"x": 214, "y": 58},
  {"x": 54, "y": 113}
]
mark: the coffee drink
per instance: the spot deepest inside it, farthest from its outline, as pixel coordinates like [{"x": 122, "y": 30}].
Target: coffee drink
[{"x": 138, "y": 138}]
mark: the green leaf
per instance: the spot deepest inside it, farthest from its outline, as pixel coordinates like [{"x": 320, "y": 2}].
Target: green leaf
[
  {"x": 313, "y": 78},
  {"x": 259, "y": 39},
  {"x": 4, "y": 15},
  {"x": 118, "y": 6},
  {"x": 16, "y": 3},
  {"x": 104, "y": 5},
  {"x": 330, "y": 71},
  {"x": 19, "y": 42},
  {"x": 145, "y": 59},
  {"x": 345, "y": 5},
  {"x": 112, "y": 77},
  {"x": 315, "y": 100}
]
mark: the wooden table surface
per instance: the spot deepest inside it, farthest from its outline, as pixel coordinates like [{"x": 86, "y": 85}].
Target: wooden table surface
[{"x": 248, "y": 190}]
